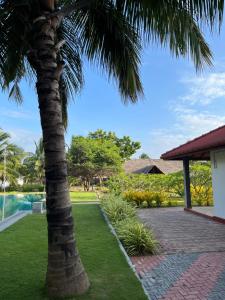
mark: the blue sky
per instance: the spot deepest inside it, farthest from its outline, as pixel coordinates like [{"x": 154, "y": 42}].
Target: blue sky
[{"x": 178, "y": 103}]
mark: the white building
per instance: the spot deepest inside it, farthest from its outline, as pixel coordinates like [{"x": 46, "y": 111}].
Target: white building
[{"x": 210, "y": 146}]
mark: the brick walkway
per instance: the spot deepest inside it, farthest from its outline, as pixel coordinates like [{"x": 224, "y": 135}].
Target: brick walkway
[
  {"x": 191, "y": 265},
  {"x": 180, "y": 231}
]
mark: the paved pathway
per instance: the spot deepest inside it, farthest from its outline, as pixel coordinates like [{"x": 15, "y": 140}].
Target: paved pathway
[
  {"x": 191, "y": 265},
  {"x": 180, "y": 231}
]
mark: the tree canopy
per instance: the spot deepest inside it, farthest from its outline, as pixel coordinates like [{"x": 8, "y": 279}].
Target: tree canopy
[
  {"x": 126, "y": 146},
  {"x": 32, "y": 168},
  {"x": 13, "y": 158},
  {"x": 89, "y": 158},
  {"x": 144, "y": 156}
]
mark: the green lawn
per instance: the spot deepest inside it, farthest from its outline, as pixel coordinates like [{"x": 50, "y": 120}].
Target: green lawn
[
  {"x": 75, "y": 196},
  {"x": 23, "y": 261},
  {"x": 21, "y": 193},
  {"x": 83, "y": 196}
]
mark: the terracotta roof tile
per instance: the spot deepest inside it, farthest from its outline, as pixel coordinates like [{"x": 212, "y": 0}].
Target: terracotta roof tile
[
  {"x": 198, "y": 147},
  {"x": 143, "y": 166}
]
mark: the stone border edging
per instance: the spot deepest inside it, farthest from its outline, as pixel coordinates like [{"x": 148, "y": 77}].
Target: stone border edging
[
  {"x": 201, "y": 214},
  {"x": 123, "y": 250},
  {"x": 7, "y": 222}
]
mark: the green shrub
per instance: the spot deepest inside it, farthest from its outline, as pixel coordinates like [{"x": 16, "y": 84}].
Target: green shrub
[
  {"x": 142, "y": 182},
  {"x": 32, "y": 188},
  {"x": 136, "y": 239},
  {"x": 159, "y": 199},
  {"x": 148, "y": 197},
  {"x": 117, "y": 209},
  {"x": 172, "y": 202},
  {"x": 135, "y": 197}
]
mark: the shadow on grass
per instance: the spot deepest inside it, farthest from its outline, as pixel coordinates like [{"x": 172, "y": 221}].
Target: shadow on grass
[{"x": 23, "y": 259}]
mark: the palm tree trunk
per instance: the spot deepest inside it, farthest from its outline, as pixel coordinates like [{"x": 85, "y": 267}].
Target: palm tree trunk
[{"x": 65, "y": 273}]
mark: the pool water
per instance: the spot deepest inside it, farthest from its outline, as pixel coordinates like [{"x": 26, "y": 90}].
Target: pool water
[{"x": 15, "y": 203}]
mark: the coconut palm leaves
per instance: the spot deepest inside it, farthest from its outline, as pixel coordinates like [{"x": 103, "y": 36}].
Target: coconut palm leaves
[
  {"x": 4, "y": 137},
  {"x": 12, "y": 155},
  {"x": 39, "y": 159},
  {"x": 107, "y": 32}
]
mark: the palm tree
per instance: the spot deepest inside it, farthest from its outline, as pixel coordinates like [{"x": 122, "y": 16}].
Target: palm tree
[
  {"x": 46, "y": 38},
  {"x": 39, "y": 158},
  {"x": 14, "y": 156},
  {"x": 4, "y": 139},
  {"x": 32, "y": 168}
]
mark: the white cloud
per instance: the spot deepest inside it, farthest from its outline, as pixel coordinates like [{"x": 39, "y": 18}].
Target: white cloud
[
  {"x": 205, "y": 89},
  {"x": 190, "y": 114},
  {"x": 161, "y": 140},
  {"x": 24, "y": 138},
  {"x": 189, "y": 124},
  {"x": 196, "y": 123},
  {"x": 16, "y": 114}
]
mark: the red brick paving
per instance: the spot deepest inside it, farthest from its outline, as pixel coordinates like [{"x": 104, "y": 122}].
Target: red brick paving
[
  {"x": 145, "y": 264},
  {"x": 199, "y": 279}
]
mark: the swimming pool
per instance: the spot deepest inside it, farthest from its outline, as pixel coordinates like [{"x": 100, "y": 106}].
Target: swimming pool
[{"x": 14, "y": 203}]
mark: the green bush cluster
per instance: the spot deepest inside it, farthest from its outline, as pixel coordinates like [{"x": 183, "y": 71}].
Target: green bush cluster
[
  {"x": 136, "y": 239},
  {"x": 26, "y": 188},
  {"x": 143, "y": 182},
  {"x": 164, "y": 190},
  {"x": 146, "y": 198},
  {"x": 117, "y": 209},
  {"x": 31, "y": 188}
]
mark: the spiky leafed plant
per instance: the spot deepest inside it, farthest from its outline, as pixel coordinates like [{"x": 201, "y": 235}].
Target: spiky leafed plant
[{"x": 46, "y": 37}]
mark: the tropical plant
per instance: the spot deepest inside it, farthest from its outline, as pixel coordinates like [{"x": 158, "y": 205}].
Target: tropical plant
[
  {"x": 117, "y": 209},
  {"x": 32, "y": 168},
  {"x": 108, "y": 32},
  {"x": 4, "y": 139},
  {"x": 140, "y": 198},
  {"x": 39, "y": 158},
  {"x": 139, "y": 182},
  {"x": 136, "y": 238},
  {"x": 10, "y": 159}
]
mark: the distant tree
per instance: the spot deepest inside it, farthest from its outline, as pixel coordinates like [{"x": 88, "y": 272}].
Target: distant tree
[
  {"x": 39, "y": 157},
  {"x": 89, "y": 158},
  {"x": 13, "y": 156},
  {"x": 144, "y": 156},
  {"x": 32, "y": 168},
  {"x": 174, "y": 183},
  {"x": 27, "y": 169},
  {"x": 201, "y": 183},
  {"x": 125, "y": 144}
]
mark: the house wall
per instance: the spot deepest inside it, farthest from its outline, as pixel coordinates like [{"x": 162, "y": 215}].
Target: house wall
[{"x": 218, "y": 181}]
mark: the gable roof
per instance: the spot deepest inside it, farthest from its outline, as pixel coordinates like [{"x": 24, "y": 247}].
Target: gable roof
[
  {"x": 144, "y": 166},
  {"x": 198, "y": 148}
]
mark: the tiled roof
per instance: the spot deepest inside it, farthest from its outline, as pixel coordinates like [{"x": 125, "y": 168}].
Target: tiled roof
[
  {"x": 199, "y": 147},
  {"x": 143, "y": 166}
]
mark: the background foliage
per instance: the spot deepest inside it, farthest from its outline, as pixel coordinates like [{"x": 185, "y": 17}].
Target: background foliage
[{"x": 168, "y": 189}]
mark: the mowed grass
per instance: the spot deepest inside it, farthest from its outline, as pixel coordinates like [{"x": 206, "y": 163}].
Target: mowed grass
[
  {"x": 23, "y": 259},
  {"x": 83, "y": 196}
]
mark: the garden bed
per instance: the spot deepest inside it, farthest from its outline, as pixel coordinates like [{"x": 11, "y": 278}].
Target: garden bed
[{"x": 24, "y": 257}]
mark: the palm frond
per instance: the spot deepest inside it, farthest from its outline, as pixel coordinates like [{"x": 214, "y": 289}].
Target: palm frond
[
  {"x": 109, "y": 40},
  {"x": 141, "y": 13},
  {"x": 175, "y": 24}
]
